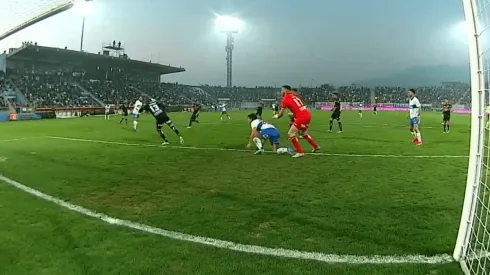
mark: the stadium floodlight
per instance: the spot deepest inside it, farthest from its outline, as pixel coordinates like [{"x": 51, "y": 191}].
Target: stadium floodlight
[
  {"x": 472, "y": 248},
  {"x": 84, "y": 7},
  {"x": 229, "y": 25},
  {"x": 460, "y": 32}
]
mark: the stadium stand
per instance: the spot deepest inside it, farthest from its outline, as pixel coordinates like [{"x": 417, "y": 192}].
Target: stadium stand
[{"x": 51, "y": 77}]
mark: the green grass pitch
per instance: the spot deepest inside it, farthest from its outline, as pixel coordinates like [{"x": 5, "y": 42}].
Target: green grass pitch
[{"x": 371, "y": 192}]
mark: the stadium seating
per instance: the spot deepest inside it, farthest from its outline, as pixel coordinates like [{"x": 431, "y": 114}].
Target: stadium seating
[{"x": 55, "y": 89}]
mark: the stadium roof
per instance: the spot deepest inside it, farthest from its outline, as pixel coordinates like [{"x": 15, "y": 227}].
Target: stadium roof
[{"x": 56, "y": 55}]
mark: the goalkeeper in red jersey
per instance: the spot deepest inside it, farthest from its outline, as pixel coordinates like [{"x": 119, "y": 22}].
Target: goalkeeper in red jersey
[{"x": 302, "y": 118}]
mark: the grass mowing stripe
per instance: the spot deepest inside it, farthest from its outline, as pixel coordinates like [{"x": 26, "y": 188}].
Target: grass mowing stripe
[
  {"x": 242, "y": 150},
  {"x": 277, "y": 252}
]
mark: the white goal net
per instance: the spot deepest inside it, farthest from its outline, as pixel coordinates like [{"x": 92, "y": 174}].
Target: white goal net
[
  {"x": 473, "y": 244},
  {"x": 16, "y": 14}
]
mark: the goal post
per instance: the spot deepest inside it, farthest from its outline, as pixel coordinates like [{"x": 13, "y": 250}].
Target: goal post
[
  {"x": 21, "y": 14},
  {"x": 473, "y": 240}
]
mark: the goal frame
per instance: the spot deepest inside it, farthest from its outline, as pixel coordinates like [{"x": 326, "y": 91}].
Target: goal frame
[
  {"x": 477, "y": 137},
  {"x": 38, "y": 18}
]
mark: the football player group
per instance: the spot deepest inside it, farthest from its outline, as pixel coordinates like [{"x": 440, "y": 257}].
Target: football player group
[
  {"x": 260, "y": 130},
  {"x": 301, "y": 119},
  {"x": 157, "y": 110}
]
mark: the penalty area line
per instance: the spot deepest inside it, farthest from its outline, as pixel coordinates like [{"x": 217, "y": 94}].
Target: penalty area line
[
  {"x": 253, "y": 249},
  {"x": 243, "y": 150}
]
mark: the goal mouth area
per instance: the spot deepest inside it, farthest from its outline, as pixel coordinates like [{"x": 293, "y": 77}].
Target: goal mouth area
[{"x": 472, "y": 248}]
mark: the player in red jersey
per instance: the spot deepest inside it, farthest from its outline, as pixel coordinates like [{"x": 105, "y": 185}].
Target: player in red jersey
[{"x": 302, "y": 118}]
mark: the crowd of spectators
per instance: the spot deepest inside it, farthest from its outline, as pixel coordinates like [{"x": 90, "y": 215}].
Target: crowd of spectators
[
  {"x": 54, "y": 89},
  {"x": 455, "y": 92},
  {"x": 62, "y": 89}
]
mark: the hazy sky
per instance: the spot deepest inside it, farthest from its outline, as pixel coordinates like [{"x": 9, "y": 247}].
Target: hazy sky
[{"x": 283, "y": 41}]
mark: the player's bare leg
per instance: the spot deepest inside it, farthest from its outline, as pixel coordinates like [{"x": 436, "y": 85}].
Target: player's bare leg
[
  {"x": 418, "y": 137},
  {"x": 258, "y": 143},
  {"x": 310, "y": 140},
  {"x": 135, "y": 124},
  {"x": 293, "y": 137},
  {"x": 412, "y": 132}
]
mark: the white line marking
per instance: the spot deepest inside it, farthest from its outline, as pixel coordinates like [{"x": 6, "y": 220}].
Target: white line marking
[
  {"x": 240, "y": 150},
  {"x": 356, "y": 125},
  {"x": 18, "y": 139},
  {"x": 254, "y": 249}
]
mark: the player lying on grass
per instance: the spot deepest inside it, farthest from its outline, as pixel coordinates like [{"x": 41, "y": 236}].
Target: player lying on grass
[
  {"x": 302, "y": 118},
  {"x": 158, "y": 111},
  {"x": 264, "y": 131}
]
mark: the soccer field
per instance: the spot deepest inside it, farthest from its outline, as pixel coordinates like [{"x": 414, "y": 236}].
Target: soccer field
[{"x": 369, "y": 192}]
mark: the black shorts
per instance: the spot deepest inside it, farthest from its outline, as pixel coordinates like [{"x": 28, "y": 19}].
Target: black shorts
[
  {"x": 162, "y": 119},
  {"x": 335, "y": 115},
  {"x": 374, "y": 109},
  {"x": 125, "y": 114},
  {"x": 446, "y": 116}
]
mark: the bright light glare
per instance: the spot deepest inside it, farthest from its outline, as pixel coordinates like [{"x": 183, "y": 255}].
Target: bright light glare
[
  {"x": 84, "y": 7},
  {"x": 228, "y": 24},
  {"x": 460, "y": 32}
]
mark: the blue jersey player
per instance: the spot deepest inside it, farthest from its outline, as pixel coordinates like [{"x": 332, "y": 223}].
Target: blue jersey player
[
  {"x": 264, "y": 131},
  {"x": 414, "y": 115}
]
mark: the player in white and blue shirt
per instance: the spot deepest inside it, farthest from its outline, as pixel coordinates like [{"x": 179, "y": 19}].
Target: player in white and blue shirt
[
  {"x": 414, "y": 115},
  {"x": 361, "y": 106},
  {"x": 107, "y": 109},
  {"x": 136, "y": 112},
  {"x": 264, "y": 131},
  {"x": 223, "y": 111}
]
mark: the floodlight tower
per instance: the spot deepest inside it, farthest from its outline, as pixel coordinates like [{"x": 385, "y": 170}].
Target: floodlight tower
[
  {"x": 84, "y": 7},
  {"x": 230, "y": 44},
  {"x": 230, "y": 26}
]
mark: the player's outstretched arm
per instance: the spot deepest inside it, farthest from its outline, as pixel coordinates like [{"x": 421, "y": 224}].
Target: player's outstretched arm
[
  {"x": 281, "y": 113},
  {"x": 253, "y": 133}
]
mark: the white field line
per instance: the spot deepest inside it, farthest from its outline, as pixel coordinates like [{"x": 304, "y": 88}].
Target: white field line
[
  {"x": 242, "y": 150},
  {"x": 18, "y": 139},
  {"x": 277, "y": 252},
  {"x": 357, "y": 125}
]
